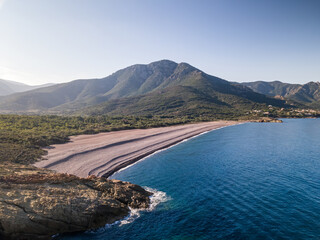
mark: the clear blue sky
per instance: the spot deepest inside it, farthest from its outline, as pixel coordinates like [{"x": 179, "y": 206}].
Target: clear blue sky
[{"x": 240, "y": 40}]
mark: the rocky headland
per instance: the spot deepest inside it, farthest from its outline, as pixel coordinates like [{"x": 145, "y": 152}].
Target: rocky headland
[
  {"x": 71, "y": 193},
  {"x": 37, "y": 203}
]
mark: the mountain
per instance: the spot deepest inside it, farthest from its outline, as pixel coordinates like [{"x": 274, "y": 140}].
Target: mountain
[
  {"x": 308, "y": 94},
  {"x": 9, "y": 87},
  {"x": 157, "y": 88},
  {"x": 275, "y": 88}
]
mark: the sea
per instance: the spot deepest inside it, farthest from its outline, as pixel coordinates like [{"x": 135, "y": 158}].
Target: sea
[{"x": 247, "y": 181}]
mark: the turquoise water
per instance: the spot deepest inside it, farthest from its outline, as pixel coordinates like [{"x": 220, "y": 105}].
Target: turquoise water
[{"x": 250, "y": 181}]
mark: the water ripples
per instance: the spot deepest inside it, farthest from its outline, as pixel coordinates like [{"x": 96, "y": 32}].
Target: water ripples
[{"x": 239, "y": 182}]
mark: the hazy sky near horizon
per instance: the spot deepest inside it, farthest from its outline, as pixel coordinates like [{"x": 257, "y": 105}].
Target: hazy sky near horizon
[{"x": 45, "y": 41}]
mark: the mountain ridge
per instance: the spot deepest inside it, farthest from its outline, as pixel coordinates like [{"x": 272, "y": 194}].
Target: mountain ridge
[
  {"x": 8, "y": 87},
  {"x": 143, "y": 84},
  {"x": 308, "y": 94}
]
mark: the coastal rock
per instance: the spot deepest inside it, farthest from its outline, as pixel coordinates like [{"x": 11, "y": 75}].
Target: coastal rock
[
  {"x": 38, "y": 203},
  {"x": 268, "y": 119}
]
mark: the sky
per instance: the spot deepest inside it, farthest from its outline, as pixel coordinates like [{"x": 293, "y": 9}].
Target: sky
[{"x": 51, "y": 41}]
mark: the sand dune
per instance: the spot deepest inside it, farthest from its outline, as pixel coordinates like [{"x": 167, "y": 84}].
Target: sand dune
[{"x": 105, "y": 153}]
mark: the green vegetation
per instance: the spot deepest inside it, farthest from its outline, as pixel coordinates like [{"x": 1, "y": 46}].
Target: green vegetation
[
  {"x": 159, "y": 88},
  {"x": 187, "y": 101},
  {"x": 158, "y": 94},
  {"x": 22, "y": 137},
  {"x": 300, "y": 94},
  {"x": 275, "y": 88},
  {"x": 274, "y": 112}
]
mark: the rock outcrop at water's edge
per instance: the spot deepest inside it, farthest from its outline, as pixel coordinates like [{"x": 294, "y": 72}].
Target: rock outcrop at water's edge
[
  {"x": 38, "y": 203},
  {"x": 267, "y": 119}
]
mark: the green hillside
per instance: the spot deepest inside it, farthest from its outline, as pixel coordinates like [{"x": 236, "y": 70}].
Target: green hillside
[
  {"x": 200, "y": 95},
  {"x": 162, "y": 87},
  {"x": 275, "y": 88},
  {"x": 307, "y": 94}
]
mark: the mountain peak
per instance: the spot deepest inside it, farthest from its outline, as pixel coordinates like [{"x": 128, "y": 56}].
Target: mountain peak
[
  {"x": 163, "y": 61},
  {"x": 179, "y": 84}
]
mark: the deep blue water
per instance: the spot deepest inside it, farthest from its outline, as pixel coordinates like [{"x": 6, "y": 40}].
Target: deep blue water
[{"x": 250, "y": 181}]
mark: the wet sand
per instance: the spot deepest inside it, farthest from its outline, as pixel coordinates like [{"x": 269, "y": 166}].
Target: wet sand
[{"x": 105, "y": 153}]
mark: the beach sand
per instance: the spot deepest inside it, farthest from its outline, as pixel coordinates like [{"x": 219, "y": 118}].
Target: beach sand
[{"x": 105, "y": 153}]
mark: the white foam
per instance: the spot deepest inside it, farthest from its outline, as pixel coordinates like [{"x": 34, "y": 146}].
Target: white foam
[{"x": 156, "y": 198}]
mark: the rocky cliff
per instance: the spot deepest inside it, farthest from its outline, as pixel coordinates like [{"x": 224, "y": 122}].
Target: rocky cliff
[{"x": 38, "y": 203}]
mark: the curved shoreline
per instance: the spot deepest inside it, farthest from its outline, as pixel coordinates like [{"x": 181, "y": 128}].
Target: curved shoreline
[
  {"x": 104, "y": 154},
  {"x": 165, "y": 148}
]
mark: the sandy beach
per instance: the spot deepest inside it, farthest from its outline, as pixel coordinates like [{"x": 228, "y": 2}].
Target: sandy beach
[{"x": 105, "y": 153}]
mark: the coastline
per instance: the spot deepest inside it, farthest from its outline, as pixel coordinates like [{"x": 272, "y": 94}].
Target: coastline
[
  {"x": 163, "y": 149},
  {"x": 104, "y": 154},
  {"x": 71, "y": 204}
]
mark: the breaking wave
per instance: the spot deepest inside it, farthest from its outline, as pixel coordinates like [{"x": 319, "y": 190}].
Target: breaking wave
[{"x": 156, "y": 198}]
